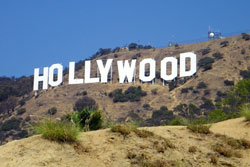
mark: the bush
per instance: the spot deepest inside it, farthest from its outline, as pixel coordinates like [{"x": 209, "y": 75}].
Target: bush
[
  {"x": 228, "y": 83},
  {"x": 163, "y": 115},
  {"x": 57, "y": 131},
  {"x": 95, "y": 121},
  {"x": 223, "y": 151},
  {"x": 136, "y": 56},
  {"x": 21, "y": 102},
  {"x": 52, "y": 111},
  {"x": 245, "y": 112},
  {"x": 206, "y": 92},
  {"x": 245, "y": 36},
  {"x": 217, "y": 116},
  {"x": 243, "y": 51},
  {"x": 146, "y": 106},
  {"x": 218, "y": 55},
  {"x": 87, "y": 119},
  {"x": 245, "y": 74},
  {"x": 85, "y": 102},
  {"x": 206, "y": 63},
  {"x": 192, "y": 149},
  {"x": 199, "y": 128},
  {"x": 224, "y": 43},
  {"x": 205, "y": 51},
  {"x": 131, "y": 94},
  {"x": 23, "y": 134},
  {"x": 220, "y": 94},
  {"x": 132, "y": 46},
  {"x": 176, "y": 121},
  {"x": 207, "y": 104},
  {"x": 21, "y": 111},
  {"x": 123, "y": 129},
  {"x": 201, "y": 85},
  {"x": 184, "y": 90},
  {"x": 147, "y": 47},
  {"x": 13, "y": 123}
]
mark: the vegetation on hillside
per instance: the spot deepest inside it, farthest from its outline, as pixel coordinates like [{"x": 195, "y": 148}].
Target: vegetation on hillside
[
  {"x": 132, "y": 94},
  {"x": 60, "y": 131}
]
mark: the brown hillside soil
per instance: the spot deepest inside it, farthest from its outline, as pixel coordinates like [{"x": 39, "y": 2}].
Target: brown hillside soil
[
  {"x": 169, "y": 146},
  {"x": 236, "y": 128}
]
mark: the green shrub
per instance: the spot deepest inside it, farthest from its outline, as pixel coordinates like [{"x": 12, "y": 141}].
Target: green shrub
[
  {"x": 206, "y": 61},
  {"x": 199, "y": 128},
  {"x": 184, "y": 90},
  {"x": 21, "y": 102},
  {"x": 205, "y": 51},
  {"x": 245, "y": 74},
  {"x": 52, "y": 111},
  {"x": 132, "y": 46},
  {"x": 23, "y": 134},
  {"x": 224, "y": 44},
  {"x": 217, "y": 116},
  {"x": 96, "y": 120},
  {"x": 20, "y": 111},
  {"x": 13, "y": 123},
  {"x": 245, "y": 36},
  {"x": 131, "y": 94},
  {"x": 245, "y": 112},
  {"x": 218, "y": 55},
  {"x": 146, "y": 106},
  {"x": 237, "y": 96},
  {"x": 201, "y": 85},
  {"x": 85, "y": 102},
  {"x": 87, "y": 119},
  {"x": 176, "y": 121},
  {"x": 228, "y": 83},
  {"x": 57, "y": 131}
]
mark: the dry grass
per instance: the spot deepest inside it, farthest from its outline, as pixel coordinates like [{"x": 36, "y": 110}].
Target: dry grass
[
  {"x": 199, "y": 128},
  {"x": 238, "y": 154},
  {"x": 123, "y": 129},
  {"x": 234, "y": 143},
  {"x": 144, "y": 160},
  {"x": 222, "y": 150},
  {"x": 245, "y": 112},
  {"x": 57, "y": 131},
  {"x": 143, "y": 133},
  {"x": 213, "y": 159},
  {"x": 192, "y": 149}
]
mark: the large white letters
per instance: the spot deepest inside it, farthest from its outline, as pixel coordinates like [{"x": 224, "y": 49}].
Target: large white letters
[
  {"x": 104, "y": 70},
  {"x": 173, "y": 74},
  {"x": 72, "y": 79},
  {"x": 151, "y": 76},
  {"x": 52, "y": 69},
  {"x": 183, "y": 57},
  {"x": 126, "y": 70}
]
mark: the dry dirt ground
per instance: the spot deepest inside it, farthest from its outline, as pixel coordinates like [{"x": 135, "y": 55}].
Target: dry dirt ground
[{"x": 104, "y": 148}]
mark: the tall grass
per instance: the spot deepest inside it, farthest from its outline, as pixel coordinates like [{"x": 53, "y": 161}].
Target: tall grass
[
  {"x": 245, "y": 112},
  {"x": 60, "y": 131}
]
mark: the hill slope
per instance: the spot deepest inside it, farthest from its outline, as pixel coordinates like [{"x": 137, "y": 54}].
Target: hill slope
[
  {"x": 201, "y": 91},
  {"x": 104, "y": 148}
]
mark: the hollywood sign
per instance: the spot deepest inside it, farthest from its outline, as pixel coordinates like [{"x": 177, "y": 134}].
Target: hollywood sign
[{"x": 126, "y": 71}]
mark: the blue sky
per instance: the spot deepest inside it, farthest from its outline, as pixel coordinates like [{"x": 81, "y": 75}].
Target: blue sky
[{"x": 40, "y": 33}]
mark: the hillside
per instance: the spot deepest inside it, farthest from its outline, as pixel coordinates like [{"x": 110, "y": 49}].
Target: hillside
[
  {"x": 104, "y": 148},
  {"x": 227, "y": 58}
]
